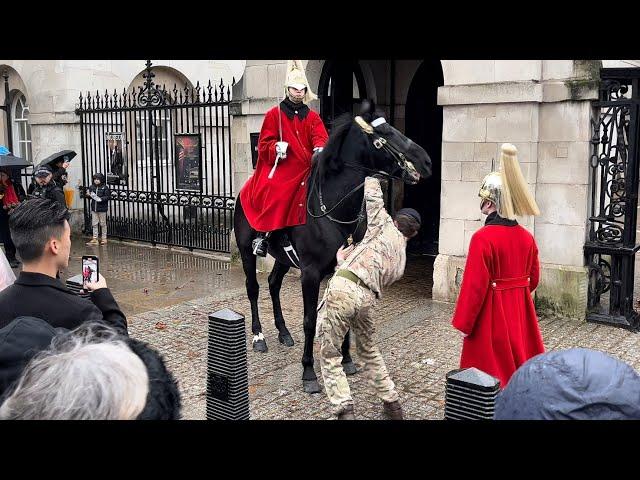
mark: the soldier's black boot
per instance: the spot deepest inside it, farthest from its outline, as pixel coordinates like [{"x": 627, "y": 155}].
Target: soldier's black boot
[
  {"x": 393, "y": 410},
  {"x": 260, "y": 245},
  {"x": 347, "y": 413}
]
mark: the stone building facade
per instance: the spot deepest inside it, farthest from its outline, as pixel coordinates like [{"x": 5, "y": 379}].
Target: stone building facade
[{"x": 459, "y": 111}]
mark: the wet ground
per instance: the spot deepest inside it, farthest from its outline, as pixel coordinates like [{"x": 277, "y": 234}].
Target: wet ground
[{"x": 145, "y": 278}]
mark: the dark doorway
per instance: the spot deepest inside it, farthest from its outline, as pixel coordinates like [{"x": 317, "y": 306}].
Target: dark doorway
[
  {"x": 423, "y": 124},
  {"x": 341, "y": 89}
]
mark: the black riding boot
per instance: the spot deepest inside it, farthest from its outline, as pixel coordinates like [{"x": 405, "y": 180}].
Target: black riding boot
[{"x": 260, "y": 244}]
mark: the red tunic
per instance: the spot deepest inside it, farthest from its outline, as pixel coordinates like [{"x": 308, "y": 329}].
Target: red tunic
[
  {"x": 280, "y": 202},
  {"x": 500, "y": 320}
]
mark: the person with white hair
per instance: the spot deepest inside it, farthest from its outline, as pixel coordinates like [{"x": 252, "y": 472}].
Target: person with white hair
[{"x": 93, "y": 373}]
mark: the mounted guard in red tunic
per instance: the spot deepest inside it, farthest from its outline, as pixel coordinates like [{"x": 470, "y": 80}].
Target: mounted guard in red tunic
[{"x": 275, "y": 195}]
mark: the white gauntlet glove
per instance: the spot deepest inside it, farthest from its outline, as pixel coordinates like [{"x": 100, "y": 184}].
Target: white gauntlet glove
[{"x": 281, "y": 149}]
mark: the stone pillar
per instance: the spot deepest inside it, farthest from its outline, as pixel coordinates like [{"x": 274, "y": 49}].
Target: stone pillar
[
  {"x": 259, "y": 89},
  {"x": 542, "y": 107}
]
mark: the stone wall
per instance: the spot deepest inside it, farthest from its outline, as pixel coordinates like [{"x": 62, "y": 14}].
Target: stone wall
[{"x": 542, "y": 107}]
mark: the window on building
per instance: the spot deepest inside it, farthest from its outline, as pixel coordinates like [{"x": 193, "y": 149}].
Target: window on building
[{"x": 21, "y": 128}]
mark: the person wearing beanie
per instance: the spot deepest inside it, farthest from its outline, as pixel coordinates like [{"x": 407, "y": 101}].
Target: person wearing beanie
[
  {"x": 99, "y": 194},
  {"x": 362, "y": 271},
  {"x": 274, "y": 197},
  {"x": 495, "y": 310}
]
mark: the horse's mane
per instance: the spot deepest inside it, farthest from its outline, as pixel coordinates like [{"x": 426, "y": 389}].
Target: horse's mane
[{"x": 329, "y": 160}]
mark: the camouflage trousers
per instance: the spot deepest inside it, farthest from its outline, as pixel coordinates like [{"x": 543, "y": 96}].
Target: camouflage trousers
[{"x": 346, "y": 305}]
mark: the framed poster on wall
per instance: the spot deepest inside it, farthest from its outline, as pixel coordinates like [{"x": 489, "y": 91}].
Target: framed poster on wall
[
  {"x": 188, "y": 162},
  {"x": 117, "y": 173}
]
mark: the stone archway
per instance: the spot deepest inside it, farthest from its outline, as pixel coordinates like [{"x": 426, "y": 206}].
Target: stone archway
[
  {"x": 341, "y": 89},
  {"x": 423, "y": 124}
]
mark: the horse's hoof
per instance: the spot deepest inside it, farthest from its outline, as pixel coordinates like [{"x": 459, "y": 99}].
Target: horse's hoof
[
  {"x": 260, "y": 346},
  {"x": 311, "y": 386},
  {"x": 286, "y": 340},
  {"x": 349, "y": 368}
]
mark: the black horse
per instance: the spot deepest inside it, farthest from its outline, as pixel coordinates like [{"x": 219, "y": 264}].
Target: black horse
[{"x": 335, "y": 207}]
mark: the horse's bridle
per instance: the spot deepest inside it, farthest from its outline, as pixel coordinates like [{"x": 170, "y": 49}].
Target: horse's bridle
[{"x": 379, "y": 142}]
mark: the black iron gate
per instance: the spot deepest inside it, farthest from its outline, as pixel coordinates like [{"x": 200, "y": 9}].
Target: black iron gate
[
  {"x": 611, "y": 247},
  {"x": 167, "y": 158}
]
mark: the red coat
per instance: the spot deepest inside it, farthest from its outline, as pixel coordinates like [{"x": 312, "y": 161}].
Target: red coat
[
  {"x": 279, "y": 202},
  {"x": 495, "y": 308}
]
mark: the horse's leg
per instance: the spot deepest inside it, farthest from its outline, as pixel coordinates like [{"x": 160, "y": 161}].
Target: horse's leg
[
  {"x": 310, "y": 287},
  {"x": 275, "y": 282},
  {"x": 244, "y": 236},
  {"x": 347, "y": 363},
  {"x": 249, "y": 266}
]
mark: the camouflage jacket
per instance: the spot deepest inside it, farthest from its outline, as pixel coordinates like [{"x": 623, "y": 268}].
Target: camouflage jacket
[{"x": 379, "y": 259}]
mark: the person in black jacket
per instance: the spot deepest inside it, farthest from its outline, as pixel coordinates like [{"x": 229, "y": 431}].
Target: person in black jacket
[
  {"x": 45, "y": 187},
  {"x": 60, "y": 172},
  {"x": 99, "y": 194},
  {"x": 40, "y": 230}
]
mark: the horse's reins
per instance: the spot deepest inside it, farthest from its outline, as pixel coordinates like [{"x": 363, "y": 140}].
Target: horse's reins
[{"x": 379, "y": 143}]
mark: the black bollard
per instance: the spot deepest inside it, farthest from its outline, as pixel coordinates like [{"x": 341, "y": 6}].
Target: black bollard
[
  {"x": 470, "y": 394},
  {"x": 227, "y": 374}
]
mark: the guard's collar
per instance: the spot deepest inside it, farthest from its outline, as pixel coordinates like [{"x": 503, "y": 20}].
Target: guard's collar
[{"x": 290, "y": 109}]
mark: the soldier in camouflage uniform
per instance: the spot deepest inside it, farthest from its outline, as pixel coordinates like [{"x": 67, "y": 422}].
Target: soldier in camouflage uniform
[{"x": 363, "y": 271}]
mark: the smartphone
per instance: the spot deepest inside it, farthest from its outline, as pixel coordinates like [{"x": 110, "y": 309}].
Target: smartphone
[{"x": 90, "y": 268}]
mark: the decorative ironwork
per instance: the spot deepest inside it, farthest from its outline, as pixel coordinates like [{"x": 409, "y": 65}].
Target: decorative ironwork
[
  {"x": 611, "y": 247},
  {"x": 148, "y": 205}
]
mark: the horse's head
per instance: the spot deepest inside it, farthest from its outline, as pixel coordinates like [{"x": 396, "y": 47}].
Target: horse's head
[{"x": 392, "y": 152}]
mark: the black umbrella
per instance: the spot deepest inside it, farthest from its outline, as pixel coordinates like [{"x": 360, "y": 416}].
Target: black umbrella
[
  {"x": 13, "y": 161},
  {"x": 65, "y": 155}
]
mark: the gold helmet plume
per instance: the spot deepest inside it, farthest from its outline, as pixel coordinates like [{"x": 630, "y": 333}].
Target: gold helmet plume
[{"x": 507, "y": 189}]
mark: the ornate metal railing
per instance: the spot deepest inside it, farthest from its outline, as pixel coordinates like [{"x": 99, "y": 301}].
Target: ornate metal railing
[
  {"x": 611, "y": 246},
  {"x": 166, "y": 154}
]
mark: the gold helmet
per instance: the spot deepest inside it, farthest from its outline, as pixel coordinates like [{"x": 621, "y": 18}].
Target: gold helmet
[
  {"x": 507, "y": 189},
  {"x": 491, "y": 189},
  {"x": 296, "y": 78}
]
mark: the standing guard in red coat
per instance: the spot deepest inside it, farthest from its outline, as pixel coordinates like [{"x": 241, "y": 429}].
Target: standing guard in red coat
[
  {"x": 495, "y": 310},
  {"x": 275, "y": 196}
]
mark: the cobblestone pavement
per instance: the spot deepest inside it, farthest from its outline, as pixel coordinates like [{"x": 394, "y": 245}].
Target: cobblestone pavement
[
  {"x": 414, "y": 335},
  {"x": 167, "y": 295}
]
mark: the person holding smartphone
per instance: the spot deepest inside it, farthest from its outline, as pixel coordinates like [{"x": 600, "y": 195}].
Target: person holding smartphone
[{"x": 40, "y": 230}]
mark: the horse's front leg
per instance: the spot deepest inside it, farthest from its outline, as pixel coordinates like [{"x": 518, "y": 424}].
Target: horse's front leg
[
  {"x": 249, "y": 266},
  {"x": 347, "y": 362},
  {"x": 275, "y": 283},
  {"x": 310, "y": 288}
]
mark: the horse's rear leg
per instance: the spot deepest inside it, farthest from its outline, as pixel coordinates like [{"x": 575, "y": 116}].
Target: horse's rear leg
[
  {"x": 347, "y": 362},
  {"x": 249, "y": 266},
  {"x": 275, "y": 283}
]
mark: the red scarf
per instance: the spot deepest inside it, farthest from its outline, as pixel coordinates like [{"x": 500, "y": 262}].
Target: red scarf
[{"x": 10, "y": 197}]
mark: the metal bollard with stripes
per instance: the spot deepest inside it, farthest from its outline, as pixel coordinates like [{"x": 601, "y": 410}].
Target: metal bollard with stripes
[
  {"x": 227, "y": 373},
  {"x": 470, "y": 394}
]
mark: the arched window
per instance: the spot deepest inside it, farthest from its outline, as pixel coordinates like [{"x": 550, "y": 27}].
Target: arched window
[
  {"x": 21, "y": 128},
  {"x": 341, "y": 89}
]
